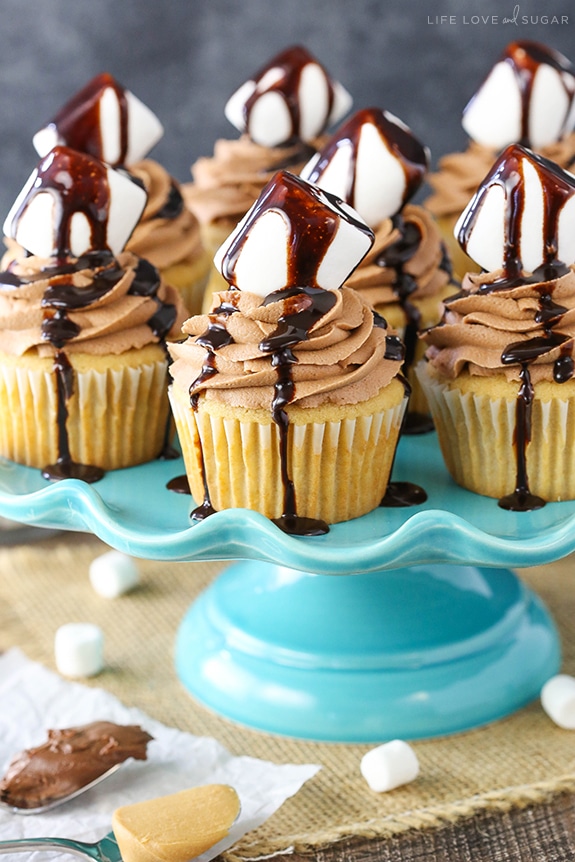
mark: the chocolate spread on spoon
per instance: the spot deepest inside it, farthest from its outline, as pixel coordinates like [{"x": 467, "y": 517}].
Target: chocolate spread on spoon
[{"x": 69, "y": 760}]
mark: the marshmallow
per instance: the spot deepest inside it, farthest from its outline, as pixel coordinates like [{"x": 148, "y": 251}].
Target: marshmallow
[
  {"x": 373, "y": 162},
  {"x": 558, "y": 700},
  {"x": 73, "y": 204},
  {"x": 79, "y": 649},
  {"x": 292, "y": 97},
  {"x": 526, "y": 207},
  {"x": 389, "y": 765},
  {"x": 104, "y": 120},
  {"x": 527, "y": 97},
  {"x": 113, "y": 574},
  {"x": 295, "y": 235}
]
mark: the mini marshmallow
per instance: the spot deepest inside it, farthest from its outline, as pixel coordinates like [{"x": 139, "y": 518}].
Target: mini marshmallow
[
  {"x": 79, "y": 649},
  {"x": 113, "y": 574},
  {"x": 294, "y": 235},
  {"x": 373, "y": 162},
  {"x": 389, "y": 766},
  {"x": 75, "y": 200},
  {"x": 558, "y": 700},
  {"x": 528, "y": 96},
  {"x": 292, "y": 97},
  {"x": 104, "y": 120},
  {"x": 514, "y": 197}
]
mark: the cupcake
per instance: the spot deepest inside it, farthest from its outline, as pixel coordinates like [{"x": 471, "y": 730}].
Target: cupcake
[
  {"x": 527, "y": 98},
  {"x": 281, "y": 112},
  {"x": 110, "y": 123},
  {"x": 375, "y": 164},
  {"x": 287, "y": 395},
  {"x": 499, "y": 370},
  {"x": 83, "y": 363}
]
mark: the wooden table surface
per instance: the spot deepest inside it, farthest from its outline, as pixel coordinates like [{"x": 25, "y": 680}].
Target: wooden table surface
[{"x": 538, "y": 833}]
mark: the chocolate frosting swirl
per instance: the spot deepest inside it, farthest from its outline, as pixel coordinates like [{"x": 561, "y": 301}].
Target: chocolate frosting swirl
[
  {"x": 348, "y": 356},
  {"x": 168, "y": 232},
  {"x": 425, "y": 262},
  {"x": 460, "y": 174},
  {"x": 105, "y": 309},
  {"x": 226, "y": 185},
  {"x": 490, "y": 330}
]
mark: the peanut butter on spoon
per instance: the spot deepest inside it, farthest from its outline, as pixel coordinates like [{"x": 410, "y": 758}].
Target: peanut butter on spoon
[{"x": 178, "y": 827}]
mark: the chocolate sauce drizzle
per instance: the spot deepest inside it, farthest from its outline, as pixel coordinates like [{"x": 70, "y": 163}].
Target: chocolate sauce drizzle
[
  {"x": 304, "y": 307},
  {"x": 173, "y": 206},
  {"x": 79, "y": 122},
  {"x": 312, "y": 227},
  {"x": 79, "y": 184},
  {"x": 215, "y": 336},
  {"x": 557, "y": 188},
  {"x": 291, "y": 62},
  {"x": 525, "y": 57},
  {"x": 395, "y": 257},
  {"x": 411, "y": 155}
]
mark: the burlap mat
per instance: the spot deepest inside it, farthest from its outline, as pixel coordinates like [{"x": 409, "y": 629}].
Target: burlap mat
[{"x": 522, "y": 759}]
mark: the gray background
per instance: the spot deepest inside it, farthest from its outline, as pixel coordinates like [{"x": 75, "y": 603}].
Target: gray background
[{"x": 185, "y": 57}]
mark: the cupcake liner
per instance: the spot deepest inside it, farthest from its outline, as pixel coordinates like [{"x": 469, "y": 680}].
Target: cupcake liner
[
  {"x": 431, "y": 311},
  {"x": 340, "y": 469},
  {"x": 116, "y": 417},
  {"x": 476, "y": 436}
]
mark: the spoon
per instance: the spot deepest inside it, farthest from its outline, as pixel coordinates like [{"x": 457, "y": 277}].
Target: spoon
[
  {"x": 39, "y": 809},
  {"x": 104, "y": 850}
]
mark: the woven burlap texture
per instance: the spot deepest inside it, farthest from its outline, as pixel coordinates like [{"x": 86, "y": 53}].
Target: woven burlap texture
[{"x": 519, "y": 760}]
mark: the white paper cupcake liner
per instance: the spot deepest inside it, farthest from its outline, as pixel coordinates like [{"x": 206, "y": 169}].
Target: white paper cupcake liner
[
  {"x": 116, "y": 418},
  {"x": 476, "y": 436},
  {"x": 340, "y": 470}
]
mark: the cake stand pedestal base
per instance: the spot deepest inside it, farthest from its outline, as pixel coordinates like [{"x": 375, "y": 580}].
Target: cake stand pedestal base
[{"x": 410, "y": 653}]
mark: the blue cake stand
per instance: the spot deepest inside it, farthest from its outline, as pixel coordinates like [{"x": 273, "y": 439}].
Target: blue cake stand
[{"x": 403, "y": 623}]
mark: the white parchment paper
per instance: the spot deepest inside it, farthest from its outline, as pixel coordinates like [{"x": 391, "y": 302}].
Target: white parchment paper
[{"x": 34, "y": 699}]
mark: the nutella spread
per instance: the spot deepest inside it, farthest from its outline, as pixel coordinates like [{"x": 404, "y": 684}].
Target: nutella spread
[{"x": 69, "y": 760}]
